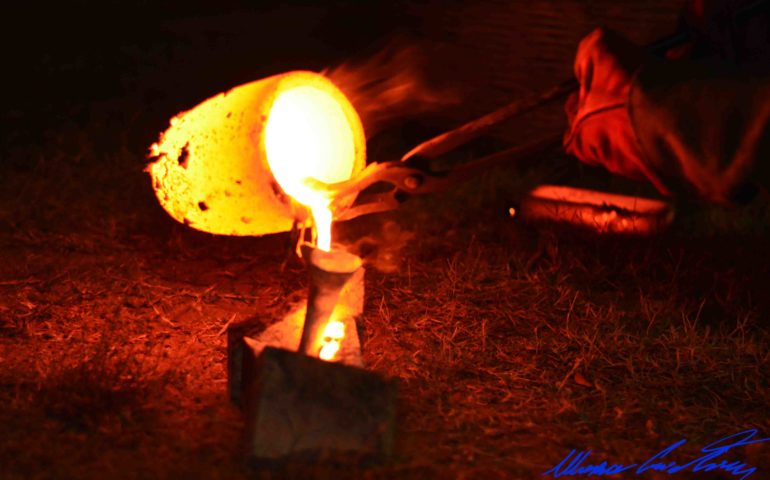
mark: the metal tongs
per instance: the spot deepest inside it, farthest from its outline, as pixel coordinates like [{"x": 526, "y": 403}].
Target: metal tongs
[{"x": 413, "y": 174}]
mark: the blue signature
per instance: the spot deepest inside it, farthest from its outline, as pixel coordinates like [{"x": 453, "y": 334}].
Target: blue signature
[{"x": 573, "y": 463}]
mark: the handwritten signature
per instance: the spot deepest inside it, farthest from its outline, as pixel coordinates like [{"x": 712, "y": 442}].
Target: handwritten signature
[{"x": 574, "y": 462}]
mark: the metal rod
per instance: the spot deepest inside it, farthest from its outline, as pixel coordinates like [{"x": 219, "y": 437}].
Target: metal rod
[{"x": 447, "y": 141}]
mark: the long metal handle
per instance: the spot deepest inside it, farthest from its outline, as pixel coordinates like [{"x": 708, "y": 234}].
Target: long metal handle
[{"x": 454, "y": 138}]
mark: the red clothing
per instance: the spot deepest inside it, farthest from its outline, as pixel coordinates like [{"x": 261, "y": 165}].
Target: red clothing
[{"x": 687, "y": 128}]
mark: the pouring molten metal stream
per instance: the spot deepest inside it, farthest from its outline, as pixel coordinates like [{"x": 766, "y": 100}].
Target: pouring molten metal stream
[
  {"x": 324, "y": 154},
  {"x": 250, "y": 162},
  {"x": 308, "y": 139}
]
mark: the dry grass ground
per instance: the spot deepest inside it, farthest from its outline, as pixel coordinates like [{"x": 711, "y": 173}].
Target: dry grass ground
[{"x": 513, "y": 344}]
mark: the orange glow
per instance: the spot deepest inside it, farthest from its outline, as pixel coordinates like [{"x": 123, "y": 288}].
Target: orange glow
[
  {"x": 286, "y": 334},
  {"x": 308, "y": 137},
  {"x": 333, "y": 304},
  {"x": 253, "y": 160},
  {"x": 333, "y": 334},
  {"x": 600, "y": 211},
  {"x": 212, "y": 170},
  {"x": 322, "y": 221}
]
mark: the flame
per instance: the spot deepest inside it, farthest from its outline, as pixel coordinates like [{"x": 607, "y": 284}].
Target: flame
[
  {"x": 308, "y": 136},
  {"x": 334, "y": 333}
]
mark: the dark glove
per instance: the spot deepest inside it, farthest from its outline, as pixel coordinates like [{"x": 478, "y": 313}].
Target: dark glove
[{"x": 600, "y": 131}]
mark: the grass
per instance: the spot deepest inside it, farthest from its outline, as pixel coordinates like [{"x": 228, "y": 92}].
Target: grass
[
  {"x": 609, "y": 344},
  {"x": 513, "y": 343}
]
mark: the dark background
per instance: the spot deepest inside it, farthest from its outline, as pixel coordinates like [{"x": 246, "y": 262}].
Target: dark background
[
  {"x": 70, "y": 61},
  {"x": 83, "y": 61}
]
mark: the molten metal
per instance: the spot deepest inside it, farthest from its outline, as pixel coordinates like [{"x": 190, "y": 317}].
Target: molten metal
[
  {"x": 254, "y": 160},
  {"x": 232, "y": 164}
]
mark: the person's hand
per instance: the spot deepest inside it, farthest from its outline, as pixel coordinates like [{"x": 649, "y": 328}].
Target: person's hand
[{"x": 600, "y": 131}]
